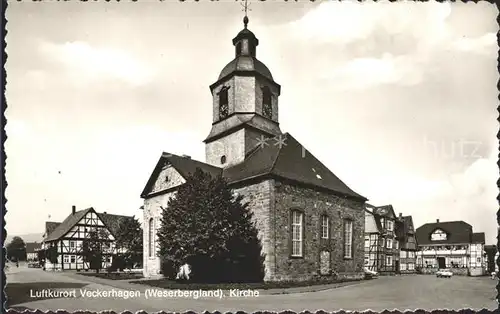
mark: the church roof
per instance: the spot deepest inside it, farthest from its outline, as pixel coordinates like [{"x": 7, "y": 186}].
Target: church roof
[
  {"x": 246, "y": 64},
  {"x": 289, "y": 161},
  {"x": 111, "y": 221}
]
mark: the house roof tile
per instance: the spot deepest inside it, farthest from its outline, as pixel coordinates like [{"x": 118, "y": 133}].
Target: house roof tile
[
  {"x": 456, "y": 231},
  {"x": 110, "y": 220}
]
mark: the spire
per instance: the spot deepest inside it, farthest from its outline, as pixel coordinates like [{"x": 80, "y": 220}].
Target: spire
[{"x": 246, "y": 9}]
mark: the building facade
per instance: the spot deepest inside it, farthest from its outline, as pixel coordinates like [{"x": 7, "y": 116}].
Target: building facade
[
  {"x": 490, "y": 251},
  {"x": 32, "y": 251},
  {"x": 310, "y": 223},
  {"x": 405, "y": 233},
  {"x": 381, "y": 244},
  {"x": 451, "y": 245},
  {"x": 69, "y": 236}
]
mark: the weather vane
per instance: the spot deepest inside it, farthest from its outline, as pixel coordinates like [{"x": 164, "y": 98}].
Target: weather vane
[{"x": 246, "y": 8}]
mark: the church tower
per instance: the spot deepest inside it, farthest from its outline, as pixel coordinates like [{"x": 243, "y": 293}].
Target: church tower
[{"x": 245, "y": 105}]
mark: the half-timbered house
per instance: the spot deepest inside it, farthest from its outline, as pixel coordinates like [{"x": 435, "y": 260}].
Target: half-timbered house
[
  {"x": 381, "y": 245},
  {"x": 451, "y": 245},
  {"x": 70, "y": 235},
  {"x": 405, "y": 233}
]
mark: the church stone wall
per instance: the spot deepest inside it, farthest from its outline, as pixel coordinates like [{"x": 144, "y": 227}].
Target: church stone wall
[
  {"x": 152, "y": 210},
  {"x": 244, "y": 93},
  {"x": 314, "y": 204},
  {"x": 232, "y": 146},
  {"x": 260, "y": 198}
]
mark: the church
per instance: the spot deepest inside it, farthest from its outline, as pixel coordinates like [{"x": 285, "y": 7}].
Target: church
[{"x": 311, "y": 224}]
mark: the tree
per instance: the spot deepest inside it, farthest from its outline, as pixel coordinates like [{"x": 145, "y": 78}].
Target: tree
[
  {"x": 205, "y": 226},
  {"x": 16, "y": 250},
  {"x": 92, "y": 247},
  {"x": 129, "y": 244}
]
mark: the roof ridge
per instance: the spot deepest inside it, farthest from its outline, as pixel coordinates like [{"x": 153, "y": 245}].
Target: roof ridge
[{"x": 271, "y": 169}]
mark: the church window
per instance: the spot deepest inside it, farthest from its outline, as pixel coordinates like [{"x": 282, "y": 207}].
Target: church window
[
  {"x": 223, "y": 103},
  {"x": 151, "y": 237},
  {"x": 347, "y": 239},
  {"x": 325, "y": 224},
  {"x": 297, "y": 233},
  {"x": 267, "y": 107},
  {"x": 223, "y": 159}
]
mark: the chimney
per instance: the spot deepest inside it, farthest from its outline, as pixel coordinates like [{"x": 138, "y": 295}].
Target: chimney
[
  {"x": 437, "y": 221},
  {"x": 104, "y": 213},
  {"x": 73, "y": 209},
  {"x": 400, "y": 215},
  {"x": 186, "y": 156}
]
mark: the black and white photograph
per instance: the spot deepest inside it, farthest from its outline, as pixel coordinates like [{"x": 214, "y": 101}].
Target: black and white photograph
[{"x": 249, "y": 155}]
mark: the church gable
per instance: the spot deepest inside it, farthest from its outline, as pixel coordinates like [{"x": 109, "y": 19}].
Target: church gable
[{"x": 166, "y": 177}]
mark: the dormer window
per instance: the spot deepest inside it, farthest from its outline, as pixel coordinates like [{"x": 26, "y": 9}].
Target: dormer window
[
  {"x": 438, "y": 235},
  {"x": 267, "y": 106},
  {"x": 223, "y": 160},
  {"x": 223, "y": 103}
]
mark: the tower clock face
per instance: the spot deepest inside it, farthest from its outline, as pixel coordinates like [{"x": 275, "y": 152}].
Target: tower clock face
[
  {"x": 267, "y": 111},
  {"x": 224, "y": 110}
]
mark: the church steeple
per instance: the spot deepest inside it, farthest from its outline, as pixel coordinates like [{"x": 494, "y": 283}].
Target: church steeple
[
  {"x": 245, "y": 42},
  {"x": 245, "y": 104}
]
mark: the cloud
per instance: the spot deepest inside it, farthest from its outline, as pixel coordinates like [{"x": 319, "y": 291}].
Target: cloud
[
  {"x": 352, "y": 21},
  {"x": 362, "y": 73},
  {"x": 87, "y": 62},
  {"x": 486, "y": 44}
]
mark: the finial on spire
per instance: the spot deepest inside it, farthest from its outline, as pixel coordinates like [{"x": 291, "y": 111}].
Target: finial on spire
[{"x": 246, "y": 9}]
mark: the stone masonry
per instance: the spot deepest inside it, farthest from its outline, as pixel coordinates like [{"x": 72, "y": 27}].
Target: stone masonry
[{"x": 272, "y": 201}]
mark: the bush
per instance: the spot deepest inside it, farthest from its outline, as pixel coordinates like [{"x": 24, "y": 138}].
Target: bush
[
  {"x": 211, "y": 230},
  {"x": 118, "y": 263}
]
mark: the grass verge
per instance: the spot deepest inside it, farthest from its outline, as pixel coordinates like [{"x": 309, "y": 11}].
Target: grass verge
[{"x": 20, "y": 292}]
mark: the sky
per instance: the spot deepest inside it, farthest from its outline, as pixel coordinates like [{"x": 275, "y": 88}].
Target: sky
[{"x": 399, "y": 100}]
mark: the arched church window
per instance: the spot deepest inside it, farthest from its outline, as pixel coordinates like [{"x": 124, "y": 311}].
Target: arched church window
[
  {"x": 267, "y": 106},
  {"x": 223, "y": 159},
  {"x": 223, "y": 103},
  {"x": 151, "y": 237}
]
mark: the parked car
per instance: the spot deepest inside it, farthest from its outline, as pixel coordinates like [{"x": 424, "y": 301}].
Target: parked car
[
  {"x": 370, "y": 274},
  {"x": 444, "y": 273},
  {"x": 34, "y": 265}
]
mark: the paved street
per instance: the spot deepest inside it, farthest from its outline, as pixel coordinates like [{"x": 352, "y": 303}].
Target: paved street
[{"x": 401, "y": 292}]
